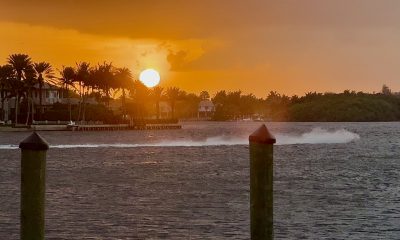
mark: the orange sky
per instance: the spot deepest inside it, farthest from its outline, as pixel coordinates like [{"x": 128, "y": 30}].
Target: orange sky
[{"x": 256, "y": 46}]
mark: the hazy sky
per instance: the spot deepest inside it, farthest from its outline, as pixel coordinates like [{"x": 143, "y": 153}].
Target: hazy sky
[{"x": 290, "y": 46}]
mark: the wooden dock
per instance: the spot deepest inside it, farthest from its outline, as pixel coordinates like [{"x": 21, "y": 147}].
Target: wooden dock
[{"x": 122, "y": 127}]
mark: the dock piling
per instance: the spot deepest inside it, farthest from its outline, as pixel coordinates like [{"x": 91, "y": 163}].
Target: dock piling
[
  {"x": 261, "y": 184},
  {"x": 33, "y": 173}
]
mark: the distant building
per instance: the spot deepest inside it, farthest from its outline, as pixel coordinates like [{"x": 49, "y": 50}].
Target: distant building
[
  {"x": 50, "y": 95},
  {"x": 206, "y": 109},
  {"x": 114, "y": 104},
  {"x": 165, "y": 110}
]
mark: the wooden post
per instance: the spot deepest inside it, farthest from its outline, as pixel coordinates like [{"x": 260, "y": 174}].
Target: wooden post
[
  {"x": 33, "y": 172},
  {"x": 261, "y": 184}
]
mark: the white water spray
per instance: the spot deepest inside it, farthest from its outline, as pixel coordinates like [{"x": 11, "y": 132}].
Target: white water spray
[
  {"x": 315, "y": 136},
  {"x": 318, "y": 136}
]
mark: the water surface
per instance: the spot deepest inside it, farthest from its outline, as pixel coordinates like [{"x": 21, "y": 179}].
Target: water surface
[{"x": 332, "y": 180}]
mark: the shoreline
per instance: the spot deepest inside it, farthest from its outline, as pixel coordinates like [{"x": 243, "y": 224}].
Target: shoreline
[{"x": 97, "y": 127}]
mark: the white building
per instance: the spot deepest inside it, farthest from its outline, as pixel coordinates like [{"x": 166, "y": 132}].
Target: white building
[
  {"x": 50, "y": 95},
  {"x": 206, "y": 109},
  {"x": 165, "y": 110}
]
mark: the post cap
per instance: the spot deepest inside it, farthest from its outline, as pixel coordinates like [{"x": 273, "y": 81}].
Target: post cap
[
  {"x": 262, "y": 135},
  {"x": 34, "y": 142}
]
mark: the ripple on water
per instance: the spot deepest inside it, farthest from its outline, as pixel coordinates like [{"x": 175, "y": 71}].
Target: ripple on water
[{"x": 332, "y": 191}]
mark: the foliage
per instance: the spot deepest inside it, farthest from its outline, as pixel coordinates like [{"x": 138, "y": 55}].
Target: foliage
[
  {"x": 234, "y": 105},
  {"x": 105, "y": 82},
  {"x": 346, "y": 107},
  {"x": 97, "y": 112}
]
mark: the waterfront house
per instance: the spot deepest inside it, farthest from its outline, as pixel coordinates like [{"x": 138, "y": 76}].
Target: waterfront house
[
  {"x": 50, "y": 95},
  {"x": 165, "y": 110},
  {"x": 206, "y": 109}
]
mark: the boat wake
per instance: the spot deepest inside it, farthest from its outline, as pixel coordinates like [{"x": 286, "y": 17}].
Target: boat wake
[
  {"x": 318, "y": 136},
  {"x": 315, "y": 136}
]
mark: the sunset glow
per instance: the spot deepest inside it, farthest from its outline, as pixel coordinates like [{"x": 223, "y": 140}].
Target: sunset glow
[
  {"x": 160, "y": 119},
  {"x": 290, "y": 48},
  {"x": 150, "y": 77}
]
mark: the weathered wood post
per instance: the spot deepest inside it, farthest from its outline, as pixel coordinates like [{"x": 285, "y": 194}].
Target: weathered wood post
[
  {"x": 261, "y": 184},
  {"x": 33, "y": 173}
]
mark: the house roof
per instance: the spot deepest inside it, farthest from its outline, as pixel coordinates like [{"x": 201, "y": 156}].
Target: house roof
[
  {"x": 47, "y": 86},
  {"x": 165, "y": 107},
  {"x": 206, "y": 103}
]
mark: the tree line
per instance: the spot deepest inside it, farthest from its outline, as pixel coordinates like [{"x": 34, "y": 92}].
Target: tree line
[
  {"x": 103, "y": 81},
  {"x": 348, "y": 106},
  {"x": 107, "y": 83}
]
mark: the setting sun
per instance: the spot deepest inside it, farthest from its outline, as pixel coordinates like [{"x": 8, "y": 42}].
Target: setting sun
[{"x": 150, "y": 77}]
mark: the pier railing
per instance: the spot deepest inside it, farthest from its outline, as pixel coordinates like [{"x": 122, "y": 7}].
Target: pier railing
[{"x": 133, "y": 122}]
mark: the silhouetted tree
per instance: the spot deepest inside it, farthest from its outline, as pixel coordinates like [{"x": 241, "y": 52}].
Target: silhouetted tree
[
  {"x": 204, "y": 95},
  {"x": 29, "y": 84},
  {"x": 82, "y": 77},
  {"x": 105, "y": 80},
  {"x": 141, "y": 98},
  {"x": 21, "y": 63},
  {"x": 67, "y": 80},
  {"x": 6, "y": 78},
  {"x": 44, "y": 73},
  {"x": 386, "y": 90},
  {"x": 124, "y": 81},
  {"x": 157, "y": 94},
  {"x": 173, "y": 94}
]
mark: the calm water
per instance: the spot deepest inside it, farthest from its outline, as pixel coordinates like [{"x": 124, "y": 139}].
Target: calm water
[{"x": 194, "y": 183}]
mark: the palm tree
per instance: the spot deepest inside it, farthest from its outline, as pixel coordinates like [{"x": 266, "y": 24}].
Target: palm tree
[
  {"x": 28, "y": 85},
  {"x": 204, "y": 95},
  {"x": 173, "y": 94},
  {"x": 6, "y": 77},
  {"x": 44, "y": 73},
  {"x": 83, "y": 78},
  {"x": 124, "y": 81},
  {"x": 105, "y": 79},
  {"x": 191, "y": 105},
  {"x": 3, "y": 81},
  {"x": 157, "y": 94},
  {"x": 21, "y": 63},
  {"x": 92, "y": 81},
  {"x": 140, "y": 94},
  {"x": 67, "y": 80}
]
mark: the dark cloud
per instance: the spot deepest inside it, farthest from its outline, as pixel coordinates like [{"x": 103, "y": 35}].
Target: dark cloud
[
  {"x": 319, "y": 41},
  {"x": 199, "y": 19},
  {"x": 177, "y": 60}
]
